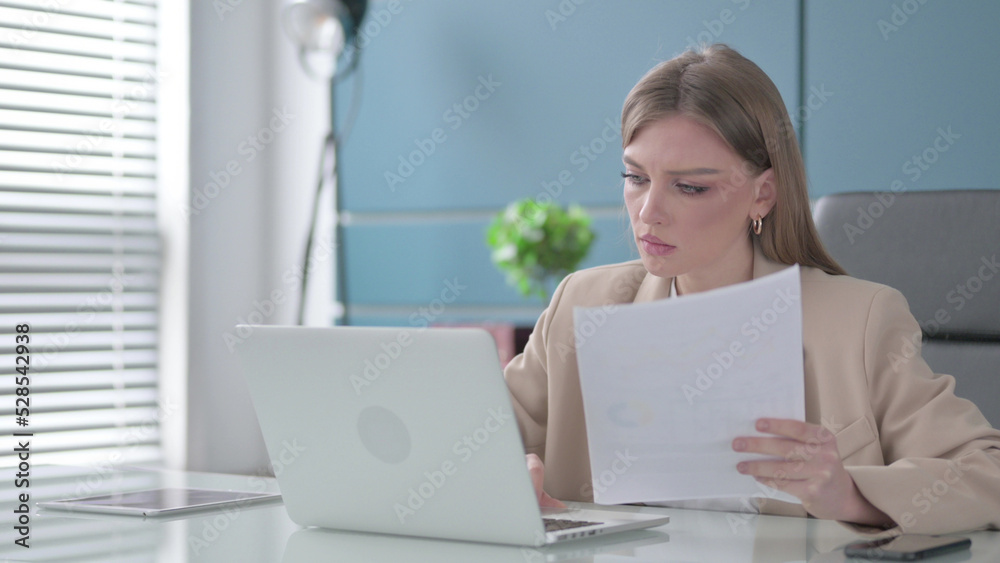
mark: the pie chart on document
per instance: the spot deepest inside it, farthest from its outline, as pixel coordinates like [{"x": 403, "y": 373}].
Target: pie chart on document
[{"x": 631, "y": 414}]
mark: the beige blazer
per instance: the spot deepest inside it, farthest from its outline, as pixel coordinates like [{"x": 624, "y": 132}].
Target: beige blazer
[{"x": 925, "y": 457}]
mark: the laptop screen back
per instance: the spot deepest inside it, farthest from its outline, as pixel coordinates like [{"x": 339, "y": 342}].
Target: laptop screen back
[{"x": 395, "y": 430}]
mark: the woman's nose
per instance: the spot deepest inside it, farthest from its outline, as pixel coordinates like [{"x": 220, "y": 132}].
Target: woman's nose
[{"x": 653, "y": 210}]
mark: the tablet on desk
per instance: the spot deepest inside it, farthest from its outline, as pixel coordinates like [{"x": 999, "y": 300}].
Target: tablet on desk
[{"x": 157, "y": 502}]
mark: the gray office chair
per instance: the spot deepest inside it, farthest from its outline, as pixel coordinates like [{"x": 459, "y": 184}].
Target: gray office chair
[{"x": 941, "y": 250}]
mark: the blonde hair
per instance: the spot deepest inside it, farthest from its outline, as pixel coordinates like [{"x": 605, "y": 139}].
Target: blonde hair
[{"x": 725, "y": 91}]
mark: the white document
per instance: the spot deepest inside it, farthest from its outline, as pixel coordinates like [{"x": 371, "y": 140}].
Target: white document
[{"x": 668, "y": 385}]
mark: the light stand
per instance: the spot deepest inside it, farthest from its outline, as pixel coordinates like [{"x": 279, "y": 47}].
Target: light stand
[{"x": 324, "y": 31}]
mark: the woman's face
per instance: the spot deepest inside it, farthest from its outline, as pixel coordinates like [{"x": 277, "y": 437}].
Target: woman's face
[{"x": 690, "y": 199}]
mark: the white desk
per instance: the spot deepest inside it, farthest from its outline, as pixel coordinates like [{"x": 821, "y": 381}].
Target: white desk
[{"x": 265, "y": 534}]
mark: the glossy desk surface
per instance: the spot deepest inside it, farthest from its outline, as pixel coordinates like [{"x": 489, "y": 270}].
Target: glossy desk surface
[{"x": 265, "y": 534}]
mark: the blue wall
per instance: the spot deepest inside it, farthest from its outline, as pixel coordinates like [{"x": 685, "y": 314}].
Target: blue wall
[
  {"x": 902, "y": 72},
  {"x": 534, "y": 81}
]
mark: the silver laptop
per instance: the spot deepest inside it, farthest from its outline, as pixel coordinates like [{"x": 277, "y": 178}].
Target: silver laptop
[
  {"x": 310, "y": 545},
  {"x": 402, "y": 431}
]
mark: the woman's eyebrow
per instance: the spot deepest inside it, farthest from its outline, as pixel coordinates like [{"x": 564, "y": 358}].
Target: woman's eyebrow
[
  {"x": 692, "y": 171},
  {"x": 688, "y": 172},
  {"x": 631, "y": 162}
]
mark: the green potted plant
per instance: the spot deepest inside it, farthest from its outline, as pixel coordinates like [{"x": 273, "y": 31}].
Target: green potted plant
[{"x": 537, "y": 243}]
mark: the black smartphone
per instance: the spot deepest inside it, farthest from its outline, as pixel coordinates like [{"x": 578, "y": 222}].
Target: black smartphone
[{"x": 906, "y": 547}]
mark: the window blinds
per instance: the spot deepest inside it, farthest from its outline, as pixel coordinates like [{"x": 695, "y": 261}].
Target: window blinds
[{"x": 79, "y": 247}]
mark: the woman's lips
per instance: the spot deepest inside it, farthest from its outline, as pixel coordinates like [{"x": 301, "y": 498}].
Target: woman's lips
[{"x": 655, "y": 246}]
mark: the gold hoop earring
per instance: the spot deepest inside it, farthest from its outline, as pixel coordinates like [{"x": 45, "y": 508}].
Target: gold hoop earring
[{"x": 757, "y": 223}]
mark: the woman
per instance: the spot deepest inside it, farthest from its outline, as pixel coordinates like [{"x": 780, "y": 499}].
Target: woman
[{"x": 716, "y": 194}]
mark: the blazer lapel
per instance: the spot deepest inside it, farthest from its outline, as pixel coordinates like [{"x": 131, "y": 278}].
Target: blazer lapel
[{"x": 653, "y": 288}]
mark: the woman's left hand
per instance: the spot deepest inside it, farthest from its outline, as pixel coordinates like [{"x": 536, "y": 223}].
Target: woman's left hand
[{"x": 809, "y": 468}]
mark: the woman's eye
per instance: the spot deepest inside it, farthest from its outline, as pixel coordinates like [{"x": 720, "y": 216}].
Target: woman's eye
[
  {"x": 689, "y": 189},
  {"x": 633, "y": 179}
]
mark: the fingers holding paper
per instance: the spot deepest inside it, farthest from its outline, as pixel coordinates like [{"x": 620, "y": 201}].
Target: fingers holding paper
[{"x": 805, "y": 463}]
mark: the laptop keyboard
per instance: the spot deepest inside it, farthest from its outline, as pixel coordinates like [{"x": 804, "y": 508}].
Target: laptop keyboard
[{"x": 556, "y": 524}]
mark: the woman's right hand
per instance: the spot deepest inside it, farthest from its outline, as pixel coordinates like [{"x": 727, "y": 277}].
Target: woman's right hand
[{"x": 537, "y": 471}]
